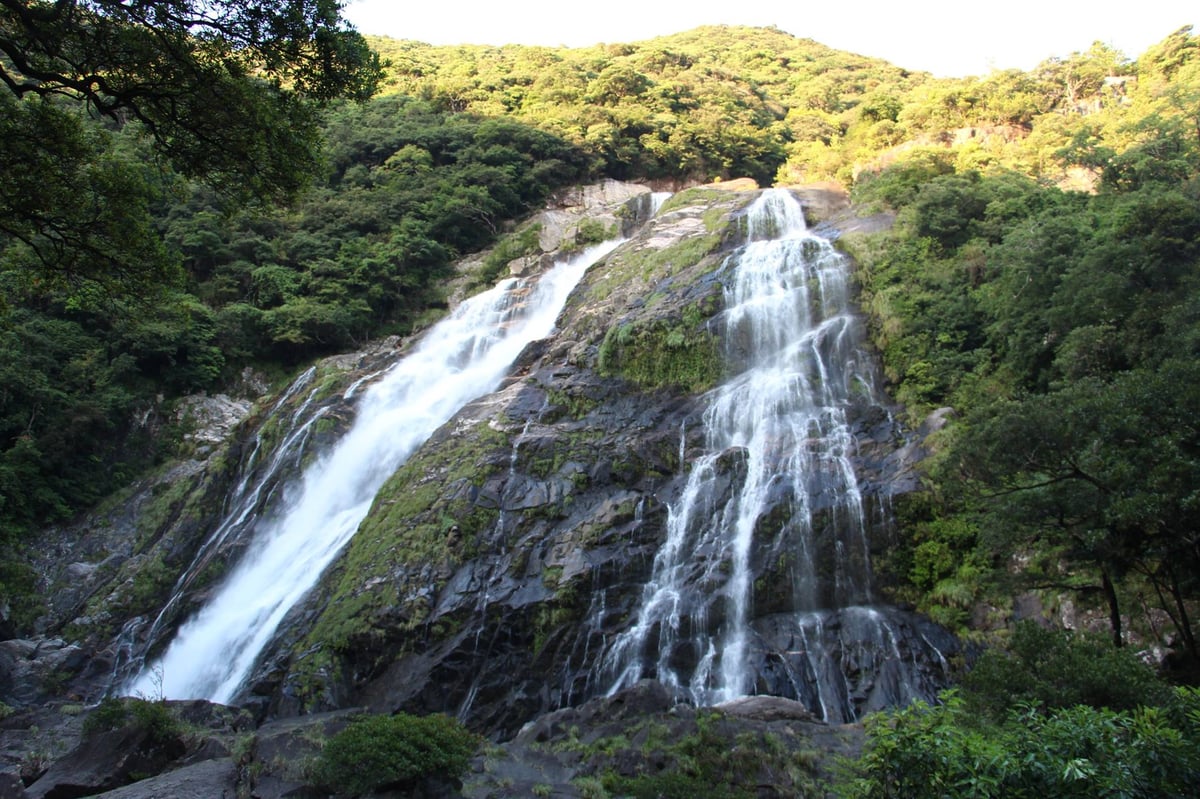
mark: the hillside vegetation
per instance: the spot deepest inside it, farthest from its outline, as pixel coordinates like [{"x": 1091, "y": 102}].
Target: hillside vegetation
[{"x": 1041, "y": 279}]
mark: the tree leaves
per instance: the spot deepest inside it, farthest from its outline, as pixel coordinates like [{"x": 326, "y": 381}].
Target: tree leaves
[
  {"x": 1081, "y": 751},
  {"x": 225, "y": 91},
  {"x": 74, "y": 216}
]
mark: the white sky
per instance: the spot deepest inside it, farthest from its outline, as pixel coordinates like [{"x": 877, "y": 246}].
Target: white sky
[{"x": 943, "y": 37}]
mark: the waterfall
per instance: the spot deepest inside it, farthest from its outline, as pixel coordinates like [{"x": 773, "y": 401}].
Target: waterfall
[
  {"x": 459, "y": 359},
  {"x": 763, "y": 583}
]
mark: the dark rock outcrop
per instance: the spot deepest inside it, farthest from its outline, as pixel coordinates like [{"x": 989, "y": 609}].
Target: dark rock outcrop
[
  {"x": 551, "y": 493},
  {"x": 208, "y": 779},
  {"x": 104, "y": 762},
  {"x": 639, "y": 741},
  {"x": 500, "y": 559},
  {"x": 544, "y": 503}
]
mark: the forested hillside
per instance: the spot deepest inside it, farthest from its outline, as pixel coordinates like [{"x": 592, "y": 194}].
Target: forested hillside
[
  {"x": 1041, "y": 280},
  {"x": 1062, "y": 327}
]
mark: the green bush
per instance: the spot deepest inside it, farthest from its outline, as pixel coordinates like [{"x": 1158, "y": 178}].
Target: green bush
[
  {"x": 155, "y": 718},
  {"x": 1055, "y": 715},
  {"x": 109, "y": 715},
  {"x": 376, "y": 752},
  {"x": 947, "y": 752},
  {"x": 1058, "y": 669}
]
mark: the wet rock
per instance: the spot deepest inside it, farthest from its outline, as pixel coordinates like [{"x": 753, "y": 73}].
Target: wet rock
[
  {"x": 767, "y": 708},
  {"x": 209, "y": 779},
  {"x": 104, "y": 762},
  {"x": 645, "y": 698},
  {"x": 11, "y": 786},
  {"x": 851, "y": 661},
  {"x": 164, "y": 750},
  {"x": 640, "y": 735},
  {"x": 33, "y": 671},
  {"x": 551, "y": 539},
  {"x": 559, "y": 486},
  {"x": 211, "y": 418},
  {"x": 280, "y": 750}
]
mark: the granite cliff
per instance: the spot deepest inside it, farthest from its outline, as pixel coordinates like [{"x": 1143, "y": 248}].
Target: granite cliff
[{"x": 499, "y": 562}]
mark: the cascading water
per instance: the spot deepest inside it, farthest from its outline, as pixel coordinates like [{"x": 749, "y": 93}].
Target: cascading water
[
  {"x": 763, "y": 583},
  {"x": 459, "y": 359},
  {"x": 259, "y": 479}
]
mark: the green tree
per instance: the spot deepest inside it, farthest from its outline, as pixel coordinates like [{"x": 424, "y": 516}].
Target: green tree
[
  {"x": 74, "y": 214},
  {"x": 1050, "y": 669},
  {"x": 225, "y": 90},
  {"x": 1098, "y": 474}
]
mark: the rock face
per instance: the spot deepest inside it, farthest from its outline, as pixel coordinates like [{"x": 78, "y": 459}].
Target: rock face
[
  {"x": 476, "y": 599},
  {"x": 638, "y": 742},
  {"x": 101, "y": 763},
  {"x": 121, "y": 580},
  {"x": 499, "y": 562}
]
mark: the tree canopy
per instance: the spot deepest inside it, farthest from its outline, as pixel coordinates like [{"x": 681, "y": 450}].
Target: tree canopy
[
  {"x": 1063, "y": 327},
  {"x": 225, "y": 91},
  {"x": 210, "y": 80}
]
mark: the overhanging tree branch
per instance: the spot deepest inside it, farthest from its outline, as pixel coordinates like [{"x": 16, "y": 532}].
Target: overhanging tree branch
[
  {"x": 228, "y": 92},
  {"x": 170, "y": 63}
]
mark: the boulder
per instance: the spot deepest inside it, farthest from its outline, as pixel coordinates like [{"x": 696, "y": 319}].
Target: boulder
[
  {"x": 105, "y": 761},
  {"x": 208, "y": 779},
  {"x": 34, "y": 670},
  {"x": 11, "y": 786},
  {"x": 766, "y": 708}
]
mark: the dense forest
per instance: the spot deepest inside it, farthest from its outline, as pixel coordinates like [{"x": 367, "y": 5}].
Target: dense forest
[{"x": 1041, "y": 279}]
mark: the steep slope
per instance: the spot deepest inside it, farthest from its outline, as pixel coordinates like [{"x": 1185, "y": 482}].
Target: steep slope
[
  {"x": 499, "y": 561},
  {"x": 123, "y": 578},
  {"x": 501, "y": 568}
]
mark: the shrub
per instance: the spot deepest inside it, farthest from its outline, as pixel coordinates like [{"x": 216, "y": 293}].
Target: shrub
[
  {"x": 376, "y": 752},
  {"x": 155, "y": 718},
  {"x": 1058, "y": 669},
  {"x": 110, "y": 714},
  {"x": 944, "y": 752}
]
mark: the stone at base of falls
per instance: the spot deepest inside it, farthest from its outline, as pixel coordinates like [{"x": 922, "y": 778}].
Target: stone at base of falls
[
  {"x": 204, "y": 780},
  {"x": 852, "y": 661},
  {"x": 640, "y": 739},
  {"x": 644, "y": 698},
  {"x": 28, "y": 667},
  {"x": 11, "y": 786},
  {"x": 217, "y": 751},
  {"x": 767, "y": 708},
  {"x": 638, "y": 734},
  {"x": 102, "y": 762}
]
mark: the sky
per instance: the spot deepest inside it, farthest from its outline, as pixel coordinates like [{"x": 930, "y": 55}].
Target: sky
[{"x": 949, "y": 39}]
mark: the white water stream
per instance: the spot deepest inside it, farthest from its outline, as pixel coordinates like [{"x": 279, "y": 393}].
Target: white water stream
[
  {"x": 777, "y": 450},
  {"x": 459, "y": 359}
]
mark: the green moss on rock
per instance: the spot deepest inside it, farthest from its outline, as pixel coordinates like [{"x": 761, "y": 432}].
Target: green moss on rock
[
  {"x": 425, "y": 513},
  {"x": 662, "y": 353},
  {"x": 650, "y": 266},
  {"x": 700, "y": 195}
]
